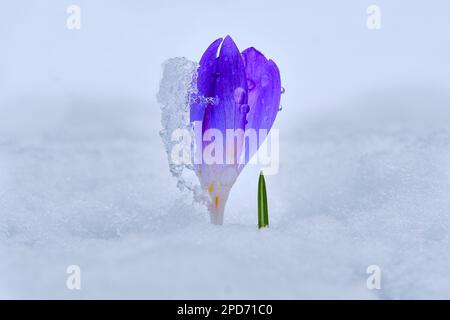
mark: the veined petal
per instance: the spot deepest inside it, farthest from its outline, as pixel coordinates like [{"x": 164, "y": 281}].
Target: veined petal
[
  {"x": 264, "y": 93},
  {"x": 232, "y": 100},
  {"x": 231, "y": 87},
  {"x": 206, "y": 81},
  {"x": 255, "y": 65},
  {"x": 270, "y": 95},
  {"x": 254, "y": 62}
]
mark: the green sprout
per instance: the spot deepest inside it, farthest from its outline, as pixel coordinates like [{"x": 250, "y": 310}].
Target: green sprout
[{"x": 263, "y": 211}]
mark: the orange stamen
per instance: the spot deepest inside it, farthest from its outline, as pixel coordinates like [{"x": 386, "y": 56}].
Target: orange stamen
[{"x": 217, "y": 201}]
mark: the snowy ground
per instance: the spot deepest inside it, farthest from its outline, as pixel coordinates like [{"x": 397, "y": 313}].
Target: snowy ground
[{"x": 85, "y": 181}]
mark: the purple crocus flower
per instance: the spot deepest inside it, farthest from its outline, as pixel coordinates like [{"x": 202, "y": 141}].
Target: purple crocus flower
[{"x": 236, "y": 91}]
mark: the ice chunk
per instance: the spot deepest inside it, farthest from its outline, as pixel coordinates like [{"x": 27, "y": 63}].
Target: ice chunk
[{"x": 177, "y": 86}]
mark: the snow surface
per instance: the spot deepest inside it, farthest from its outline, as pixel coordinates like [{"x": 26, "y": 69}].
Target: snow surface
[
  {"x": 91, "y": 186},
  {"x": 365, "y": 161}
]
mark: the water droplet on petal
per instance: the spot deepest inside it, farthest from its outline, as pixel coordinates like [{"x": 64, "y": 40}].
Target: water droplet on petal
[
  {"x": 283, "y": 90},
  {"x": 239, "y": 95},
  {"x": 265, "y": 80},
  {"x": 244, "y": 108},
  {"x": 280, "y": 108},
  {"x": 250, "y": 84}
]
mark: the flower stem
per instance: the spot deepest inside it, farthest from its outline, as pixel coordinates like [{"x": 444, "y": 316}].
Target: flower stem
[{"x": 217, "y": 205}]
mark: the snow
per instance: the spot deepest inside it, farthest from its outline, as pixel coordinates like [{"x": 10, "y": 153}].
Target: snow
[
  {"x": 177, "y": 87},
  {"x": 364, "y": 166},
  {"x": 91, "y": 186}
]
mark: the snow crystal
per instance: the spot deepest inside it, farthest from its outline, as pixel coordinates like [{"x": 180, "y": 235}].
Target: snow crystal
[{"x": 177, "y": 86}]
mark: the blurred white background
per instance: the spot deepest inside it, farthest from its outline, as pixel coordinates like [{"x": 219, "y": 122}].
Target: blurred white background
[{"x": 323, "y": 48}]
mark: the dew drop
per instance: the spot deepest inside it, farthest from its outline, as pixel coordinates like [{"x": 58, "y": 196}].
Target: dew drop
[
  {"x": 239, "y": 95},
  {"x": 244, "y": 108},
  {"x": 280, "y": 108},
  {"x": 283, "y": 90},
  {"x": 265, "y": 80},
  {"x": 250, "y": 84}
]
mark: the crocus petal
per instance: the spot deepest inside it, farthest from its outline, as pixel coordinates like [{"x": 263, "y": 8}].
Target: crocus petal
[
  {"x": 264, "y": 93},
  {"x": 232, "y": 97},
  {"x": 270, "y": 96},
  {"x": 254, "y": 62},
  {"x": 231, "y": 88},
  {"x": 229, "y": 112},
  {"x": 264, "y": 89},
  {"x": 206, "y": 81}
]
